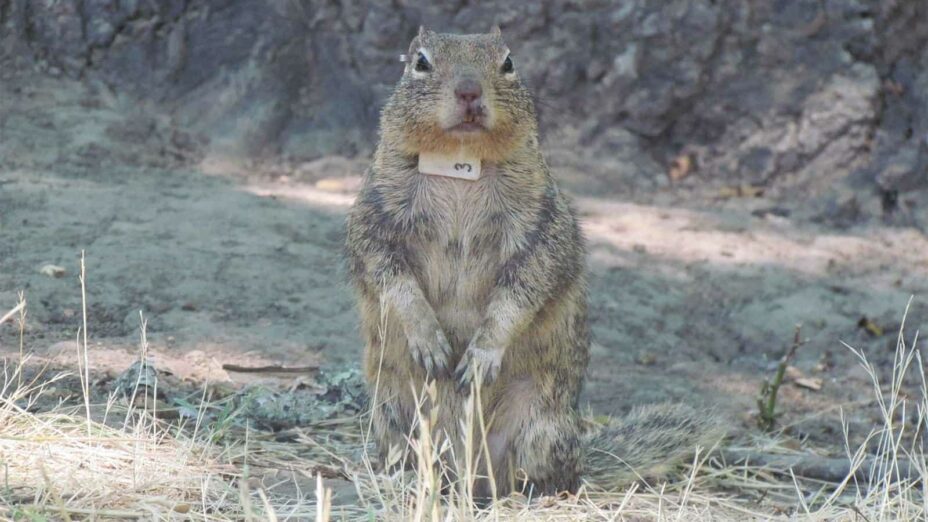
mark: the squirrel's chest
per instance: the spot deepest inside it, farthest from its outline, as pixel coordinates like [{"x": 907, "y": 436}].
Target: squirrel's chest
[
  {"x": 460, "y": 219},
  {"x": 461, "y": 240}
]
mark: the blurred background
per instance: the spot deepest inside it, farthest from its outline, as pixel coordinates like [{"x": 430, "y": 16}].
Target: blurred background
[{"x": 740, "y": 166}]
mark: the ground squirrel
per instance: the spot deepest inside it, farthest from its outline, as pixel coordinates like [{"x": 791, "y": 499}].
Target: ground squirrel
[{"x": 482, "y": 279}]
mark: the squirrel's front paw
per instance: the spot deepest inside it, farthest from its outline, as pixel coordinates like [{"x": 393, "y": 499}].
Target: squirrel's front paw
[
  {"x": 478, "y": 362},
  {"x": 431, "y": 350}
]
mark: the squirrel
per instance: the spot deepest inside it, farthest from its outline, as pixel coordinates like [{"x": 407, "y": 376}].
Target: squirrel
[{"x": 465, "y": 281}]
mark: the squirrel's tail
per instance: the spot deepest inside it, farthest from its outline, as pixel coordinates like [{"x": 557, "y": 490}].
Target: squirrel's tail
[{"x": 647, "y": 442}]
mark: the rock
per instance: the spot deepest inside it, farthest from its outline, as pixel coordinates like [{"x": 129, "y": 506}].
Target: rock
[
  {"x": 333, "y": 392},
  {"x": 140, "y": 377},
  {"x": 759, "y": 94},
  {"x": 52, "y": 270}
]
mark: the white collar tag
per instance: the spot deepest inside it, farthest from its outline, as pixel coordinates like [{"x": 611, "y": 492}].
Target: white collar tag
[{"x": 451, "y": 166}]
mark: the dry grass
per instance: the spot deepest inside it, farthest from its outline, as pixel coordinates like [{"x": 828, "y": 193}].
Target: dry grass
[{"x": 120, "y": 460}]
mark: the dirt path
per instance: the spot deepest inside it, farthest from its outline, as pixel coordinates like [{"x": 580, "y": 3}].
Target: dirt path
[{"x": 692, "y": 296}]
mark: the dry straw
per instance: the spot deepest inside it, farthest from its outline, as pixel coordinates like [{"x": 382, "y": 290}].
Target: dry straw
[{"x": 72, "y": 462}]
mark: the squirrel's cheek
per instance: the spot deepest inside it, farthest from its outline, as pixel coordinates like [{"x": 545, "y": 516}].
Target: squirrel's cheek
[
  {"x": 491, "y": 116},
  {"x": 446, "y": 114}
]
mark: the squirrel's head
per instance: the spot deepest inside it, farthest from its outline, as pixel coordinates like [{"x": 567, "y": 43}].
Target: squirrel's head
[{"x": 459, "y": 91}]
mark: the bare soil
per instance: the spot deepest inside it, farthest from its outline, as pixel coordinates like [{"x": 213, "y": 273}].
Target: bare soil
[{"x": 695, "y": 292}]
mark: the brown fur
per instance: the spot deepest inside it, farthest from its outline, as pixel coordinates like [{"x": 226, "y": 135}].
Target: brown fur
[{"x": 484, "y": 278}]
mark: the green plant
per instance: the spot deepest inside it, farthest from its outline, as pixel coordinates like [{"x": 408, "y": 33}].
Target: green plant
[{"x": 767, "y": 399}]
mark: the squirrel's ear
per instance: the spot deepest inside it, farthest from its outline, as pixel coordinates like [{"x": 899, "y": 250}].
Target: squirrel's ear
[
  {"x": 495, "y": 31},
  {"x": 420, "y": 36}
]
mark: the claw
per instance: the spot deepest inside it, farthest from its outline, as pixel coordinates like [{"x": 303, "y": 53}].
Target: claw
[
  {"x": 443, "y": 356},
  {"x": 462, "y": 376},
  {"x": 432, "y": 355},
  {"x": 475, "y": 361},
  {"x": 465, "y": 373}
]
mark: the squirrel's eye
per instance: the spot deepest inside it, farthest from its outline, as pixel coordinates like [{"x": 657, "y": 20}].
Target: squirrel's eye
[
  {"x": 422, "y": 64},
  {"x": 507, "y": 66}
]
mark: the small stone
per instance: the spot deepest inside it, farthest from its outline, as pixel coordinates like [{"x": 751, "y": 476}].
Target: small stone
[
  {"x": 810, "y": 383},
  {"x": 53, "y": 270},
  {"x": 792, "y": 373}
]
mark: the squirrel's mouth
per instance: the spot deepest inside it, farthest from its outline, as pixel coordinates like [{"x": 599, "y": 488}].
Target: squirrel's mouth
[
  {"x": 469, "y": 120},
  {"x": 468, "y": 126}
]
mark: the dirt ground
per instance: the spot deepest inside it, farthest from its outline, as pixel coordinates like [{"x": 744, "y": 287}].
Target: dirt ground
[{"x": 695, "y": 293}]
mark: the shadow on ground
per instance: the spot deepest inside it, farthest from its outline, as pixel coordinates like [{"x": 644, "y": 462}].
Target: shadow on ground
[{"x": 689, "y": 303}]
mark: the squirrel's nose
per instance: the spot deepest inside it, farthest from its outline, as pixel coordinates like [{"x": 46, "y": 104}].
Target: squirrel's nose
[{"x": 468, "y": 90}]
